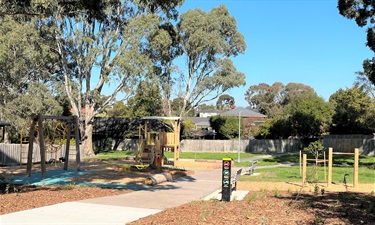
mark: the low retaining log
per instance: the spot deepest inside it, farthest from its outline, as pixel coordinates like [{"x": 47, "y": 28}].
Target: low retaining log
[{"x": 158, "y": 178}]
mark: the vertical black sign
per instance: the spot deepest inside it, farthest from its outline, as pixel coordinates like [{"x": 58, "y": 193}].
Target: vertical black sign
[{"x": 226, "y": 187}]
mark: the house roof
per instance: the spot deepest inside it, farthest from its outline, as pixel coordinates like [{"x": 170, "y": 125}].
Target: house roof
[
  {"x": 210, "y": 111},
  {"x": 161, "y": 118},
  {"x": 199, "y": 120},
  {"x": 243, "y": 112},
  {"x": 203, "y": 123}
]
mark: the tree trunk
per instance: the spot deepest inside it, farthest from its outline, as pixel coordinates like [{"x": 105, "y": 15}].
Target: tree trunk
[
  {"x": 6, "y": 136},
  {"x": 88, "y": 150},
  {"x": 117, "y": 144}
]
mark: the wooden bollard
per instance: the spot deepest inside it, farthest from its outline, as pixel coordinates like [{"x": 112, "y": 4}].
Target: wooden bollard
[
  {"x": 329, "y": 180},
  {"x": 304, "y": 169},
  {"x": 356, "y": 162}
]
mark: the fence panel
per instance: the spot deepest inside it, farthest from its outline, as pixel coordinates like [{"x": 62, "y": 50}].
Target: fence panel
[
  {"x": 10, "y": 154},
  {"x": 347, "y": 143},
  {"x": 253, "y": 146}
]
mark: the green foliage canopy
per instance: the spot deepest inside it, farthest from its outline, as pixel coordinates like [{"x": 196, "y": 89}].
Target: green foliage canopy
[
  {"x": 208, "y": 41},
  {"x": 271, "y": 99},
  {"x": 28, "y": 71},
  {"x": 354, "y": 112},
  {"x": 186, "y": 125},
  {"x": 225, "y": 102},
  {"x": 308, "y": 116},
  {"x": 109, "y": 50},
  {"x": 305, "y": 116},
  {"x": 363, "y": 12},
  {"x": 119, "y": 109},
  {"x": 225, "y": 126},
  {"x": 147, "y": 100},
  {"x": 96, "y": 44}
]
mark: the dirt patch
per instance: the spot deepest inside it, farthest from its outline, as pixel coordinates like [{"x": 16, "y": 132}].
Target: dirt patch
[{"x": 199, "y": 164}]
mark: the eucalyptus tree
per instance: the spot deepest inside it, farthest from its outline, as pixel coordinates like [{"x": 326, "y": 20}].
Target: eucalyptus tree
[
  {"x": 305, "y": 116},
  {"x": 164, "y": 48},
  {"x": 225, "y": 102},
  {"x": 176, "y": 107},
  {"x": 363, "y": 12},
  {"x": 363, "y": 81},
  {"x": 308, "y": 115},
  {"x": 118, "y": 109},
  {"x": 354, "y": 112},
  {"x": 208, "y": 42},
  {"x": 146, "y": 101},
  {"x": 266, "y": 98},
  {"x": 100, "y": 44},
  {"x": 38, "y": 98},
  {"x": 271, "y": 99},
  {"x": 28, "y": 70}
]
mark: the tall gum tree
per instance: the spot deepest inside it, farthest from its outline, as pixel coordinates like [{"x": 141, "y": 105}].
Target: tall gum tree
[
  {"x": 106, "y": 51},
  {"x": 28, "y": 70},
  {"x": 354, "y": 112},
  {"x": 208, "y": 42},
  {"x": 225, "y": 102},
  {"x": 271, "y": 99},
  {"x": 363, "y": 12}
]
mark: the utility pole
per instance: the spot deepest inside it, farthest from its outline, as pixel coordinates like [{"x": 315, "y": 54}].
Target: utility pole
[{"x": 239, "y": 136}]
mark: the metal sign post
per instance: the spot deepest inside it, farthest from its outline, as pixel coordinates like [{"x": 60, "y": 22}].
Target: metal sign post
[{"x": 226, "y": 174}]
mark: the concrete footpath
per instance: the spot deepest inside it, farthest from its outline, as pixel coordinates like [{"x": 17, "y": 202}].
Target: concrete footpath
[{"x": 121, "y": 209}]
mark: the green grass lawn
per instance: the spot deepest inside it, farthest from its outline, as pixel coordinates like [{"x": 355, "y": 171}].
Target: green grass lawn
[
  {"x": 346, "y": 160},
  {"x": 344, "y": 165},
  {"x": 337, "y": 159},
  {"x": 211, "y": 155},
  {"x": 365, "y": 174},
  {"x": 183, "y": 155},
  {"x": 260, "y": 162},
  {"x": 114, "y": 154},
  {"x": 342, "y": 160}
]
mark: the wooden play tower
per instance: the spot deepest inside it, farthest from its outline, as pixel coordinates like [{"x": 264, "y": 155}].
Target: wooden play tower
[{"x": 153, "y": 143}]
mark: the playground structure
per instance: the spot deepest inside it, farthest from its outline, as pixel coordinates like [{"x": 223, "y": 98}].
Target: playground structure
[
  {"x": 153, "y": 144},
  {"x": 54, "y": 140},
  {"x": 330, "y": 164},
  {"x": 46, "y": 140}
]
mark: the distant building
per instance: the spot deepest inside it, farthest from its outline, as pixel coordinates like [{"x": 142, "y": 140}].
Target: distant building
[
  {"x": 209, "y": 112},
  {"x": 251, "y": 119},
  {"x": 200, "y": 122}
]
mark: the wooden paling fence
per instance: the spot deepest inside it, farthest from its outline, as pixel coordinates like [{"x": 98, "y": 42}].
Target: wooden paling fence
[{"x": 10, "y": 154}]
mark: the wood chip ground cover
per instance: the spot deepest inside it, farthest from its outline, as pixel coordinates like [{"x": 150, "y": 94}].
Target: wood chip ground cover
[{"x": 266, "y": 203}]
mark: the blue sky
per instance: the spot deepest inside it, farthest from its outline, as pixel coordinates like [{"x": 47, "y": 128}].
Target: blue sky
[{"x": 303, "y": 41}]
